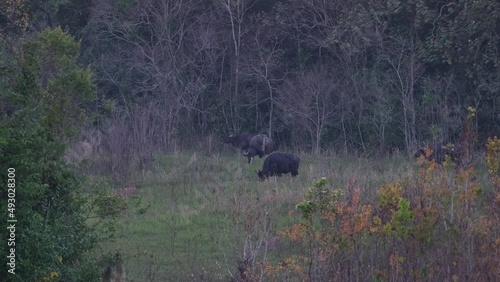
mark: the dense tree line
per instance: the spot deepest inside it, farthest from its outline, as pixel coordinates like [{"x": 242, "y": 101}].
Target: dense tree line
[{"x": 353, "y": 75}]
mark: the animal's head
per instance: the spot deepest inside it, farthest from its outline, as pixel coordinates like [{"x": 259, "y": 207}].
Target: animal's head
[{"x": 261, "y": 174}]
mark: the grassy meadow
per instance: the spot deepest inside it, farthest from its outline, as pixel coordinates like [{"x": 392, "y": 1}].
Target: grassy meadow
[{"x": 198, "y": 217}]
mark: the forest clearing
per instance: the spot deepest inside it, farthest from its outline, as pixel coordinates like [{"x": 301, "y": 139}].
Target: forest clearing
[
  {"x": 250, "y": 140},
  {"x": 209, "y": 218}
]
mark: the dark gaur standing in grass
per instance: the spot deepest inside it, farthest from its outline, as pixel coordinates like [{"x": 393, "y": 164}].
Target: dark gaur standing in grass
[
  {"x": 241, "y": 140},
  {"x": 260, "y": 145},
  {"x": 438, "y": 153},
  {"x": 278, "y": 163}
]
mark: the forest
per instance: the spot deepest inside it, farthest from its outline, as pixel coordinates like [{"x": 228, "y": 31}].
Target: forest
[
  {"x": 97, "y": 97},
  {"x": 364, "y": 76}
]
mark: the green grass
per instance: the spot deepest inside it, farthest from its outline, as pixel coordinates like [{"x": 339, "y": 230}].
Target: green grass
[{"x": 201, "y": 208}]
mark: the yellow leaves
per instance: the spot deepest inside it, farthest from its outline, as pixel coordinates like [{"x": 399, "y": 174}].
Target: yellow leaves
[
  {"x": 51, "y": 276},
  {"x": 395, "y": 261},
  {"x": 377, "y": 225},
  {"x": 389, "y": 195},
  {"x": 472, "y": 111}
]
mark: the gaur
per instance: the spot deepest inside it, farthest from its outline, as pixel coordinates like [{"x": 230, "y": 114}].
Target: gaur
[
  {"x": 278, "y": 163},
  {"x": 241, "y": 140},
  {"x": 438, "y": 153},
  {"x": 260, "y": 145}
]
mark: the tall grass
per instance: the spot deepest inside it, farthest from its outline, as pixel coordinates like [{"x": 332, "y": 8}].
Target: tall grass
[{"x": 203, "y": 217}]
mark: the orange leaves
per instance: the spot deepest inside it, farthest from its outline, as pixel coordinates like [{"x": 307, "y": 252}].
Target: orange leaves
[
  {"x": 493, "y": 161},
  {"x": 295, "y": 233},
  {"x": 331, "y": 225},
  {"x": 362, "y": 220},
  {"x": 355, "y": 218},
  {"x": 413, "y": 230},
  {"x": 346, "y": 216},
  {"x": 483, "y": 226}
]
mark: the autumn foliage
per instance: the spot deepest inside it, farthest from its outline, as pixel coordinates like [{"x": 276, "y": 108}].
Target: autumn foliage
[
  {"x": 493, "y": 161},
  {"x": 439, "y": 224}
]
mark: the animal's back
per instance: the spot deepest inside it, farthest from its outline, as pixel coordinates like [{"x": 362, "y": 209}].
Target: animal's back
[
  {"x": 284, "y": 161},
  {"x": 241, "y": 140}
]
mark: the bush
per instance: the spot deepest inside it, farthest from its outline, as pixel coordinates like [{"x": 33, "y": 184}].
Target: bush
[
  {"x": 45, "y": 94},
  {"x": 438, "y": 225}
]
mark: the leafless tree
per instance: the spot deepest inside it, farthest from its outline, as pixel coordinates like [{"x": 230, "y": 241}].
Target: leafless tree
[
  {"x": 162, "y": 50},
  {"x": 263, "y": 66},
  {"x": 308, "y": 101},
  {"x": 405, "y": 72},
  {"x": 239, "y": 26},
  {"x": 440, "y": 112},
  {"x": 383, "y": 114}
]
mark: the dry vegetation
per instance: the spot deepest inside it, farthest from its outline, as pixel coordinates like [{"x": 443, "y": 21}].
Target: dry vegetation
[{"x": 200, "y": 217}]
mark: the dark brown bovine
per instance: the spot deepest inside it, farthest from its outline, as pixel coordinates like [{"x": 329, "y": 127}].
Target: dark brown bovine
[
  {"x": 241, "y": 140},
  {"x": 438, "y": 153},
  {"x": 260, "y": 145},
  {"x": 278, "y": 163}
]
